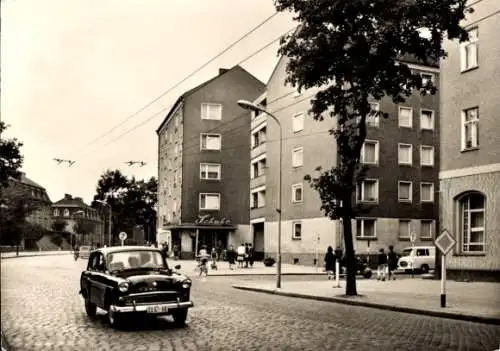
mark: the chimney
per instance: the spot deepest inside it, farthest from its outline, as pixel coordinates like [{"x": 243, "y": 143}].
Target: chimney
[
  {"x": 222, "y": 70},
  {"x": 78, "y": 199},
  {"x": 67, "y": 197}
]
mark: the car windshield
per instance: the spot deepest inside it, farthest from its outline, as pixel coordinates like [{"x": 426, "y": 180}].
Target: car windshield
[
  {"x": 135, "y": 260},
  {"x": 406, "y": 252}
]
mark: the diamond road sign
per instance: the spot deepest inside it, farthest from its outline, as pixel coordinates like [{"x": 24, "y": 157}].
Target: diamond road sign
[{"x": 445, "y": 242}]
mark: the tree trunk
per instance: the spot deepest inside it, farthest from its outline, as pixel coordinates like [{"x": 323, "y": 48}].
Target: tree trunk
[{"x": 350, "y": 287}]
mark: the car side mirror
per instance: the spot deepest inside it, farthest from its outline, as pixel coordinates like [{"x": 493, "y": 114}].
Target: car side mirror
[{"x": 177, "y": 266}]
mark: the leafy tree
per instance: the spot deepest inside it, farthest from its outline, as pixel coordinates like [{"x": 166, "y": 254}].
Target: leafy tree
[
  {"x": 15, "y": 209},
  {"x": 83, "y": 226},
  {"x": 132, "y": 201},
  {"x": 11, "y": 158},
  {"x": 59, "y": 225},
  {"x": 351, "y": 51}
]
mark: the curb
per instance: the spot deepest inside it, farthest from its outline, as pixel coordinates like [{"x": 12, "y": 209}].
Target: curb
[
  {"x": 443, "y": 314},
  {"x": 21, "y": 256},
  {"x": 259, "y": 274}
]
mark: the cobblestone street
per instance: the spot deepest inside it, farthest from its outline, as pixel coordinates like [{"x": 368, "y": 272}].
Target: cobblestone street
[{"x": 42, "y": 310}]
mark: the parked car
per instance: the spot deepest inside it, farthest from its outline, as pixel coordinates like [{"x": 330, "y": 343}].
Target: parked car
[
  {"x": 420, "y": 258},
  {"x": 131, "y": 280},
  {"x": 84, "y": 251}
]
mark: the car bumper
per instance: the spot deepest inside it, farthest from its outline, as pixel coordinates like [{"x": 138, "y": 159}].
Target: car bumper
[{"x": 144, "y": 307}]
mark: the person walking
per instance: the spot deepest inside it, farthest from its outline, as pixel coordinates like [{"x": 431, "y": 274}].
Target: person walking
[
  {"x": 330, "y": 262},
  {"x": 392, "y": 262},
  {"x": 382, "y": 265},
  {"x": 241, "y": 255},
  {"x": 231, "y": 256},
  {"x": 250, "y": 255}
]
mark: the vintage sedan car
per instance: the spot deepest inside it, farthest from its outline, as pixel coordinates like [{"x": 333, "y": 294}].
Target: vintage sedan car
[{"x": 131, "y": 280}]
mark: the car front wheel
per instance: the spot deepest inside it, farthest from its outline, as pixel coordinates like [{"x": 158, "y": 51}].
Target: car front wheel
[
  {"x": 115, "y": 320},
  {"x": 180, "y": 316},
  {"x": 425, "y": 269},
  {"x": 90, "y": 308}
]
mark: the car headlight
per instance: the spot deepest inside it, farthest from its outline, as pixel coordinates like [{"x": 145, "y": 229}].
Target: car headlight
[
  {"x": 186, "y": 284},
  {"x": 123, "y": 287}
]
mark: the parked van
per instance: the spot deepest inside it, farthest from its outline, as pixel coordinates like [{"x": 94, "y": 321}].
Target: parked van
[{"x": 422, "y": 257}]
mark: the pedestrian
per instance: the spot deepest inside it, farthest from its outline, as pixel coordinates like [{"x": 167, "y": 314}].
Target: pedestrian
[
  {"x": 231, "y": 255},
  {"x": 382, "y": 265},
  {"x": 330, "y": 262},
  {"x": 246, "y": 255},
  {"x": 164, "y": 249},
  {"x": 392, "y": 262},
  {"x": 250, "y": 255},
  {"x": 241, "y": 255},
  {"x": 176, "y": 251}
]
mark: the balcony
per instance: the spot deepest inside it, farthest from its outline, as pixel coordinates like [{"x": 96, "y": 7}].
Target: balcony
[
  {"x": 258, "y": 150},
  {"x": 261, "y": 118},
  {"x": 257, "y": 212},
  {"x": 258, "y": 181}
]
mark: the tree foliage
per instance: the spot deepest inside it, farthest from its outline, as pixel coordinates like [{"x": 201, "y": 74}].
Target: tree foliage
[
  {"x": 354, "y": 51},
  {"x": 16, "y": 207},
  {"x": 132, "y": 201},
  {"x": 84, "y": 226},
  {"x": 11, "y": 158}
]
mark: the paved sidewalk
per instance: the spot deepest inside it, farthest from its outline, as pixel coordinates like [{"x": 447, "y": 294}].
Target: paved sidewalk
[
  {"x": 189, "y": 267},
  {"x": 4, "y": 255},
  {"x": 467, "y": 301}
]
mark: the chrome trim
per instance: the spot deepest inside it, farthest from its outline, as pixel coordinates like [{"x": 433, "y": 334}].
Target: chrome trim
[
  {"x": 149, "y": 293},
  {"x": 143, "y": 307}
]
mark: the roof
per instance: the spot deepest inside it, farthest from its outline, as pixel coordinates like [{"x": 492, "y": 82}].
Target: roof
[
  {"x": 114, "y": 249},
  {"x": 25, "y": 180},
  {"x": 71, "y": 202},
  {"x": 195, "y": 89}
]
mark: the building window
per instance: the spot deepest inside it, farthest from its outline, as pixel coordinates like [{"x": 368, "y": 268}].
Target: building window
[
  {"x": 209, "y": 201},
  {"x": 427, "y": 155},
  {"x": 297, "y": 193},
  {"x": 370, "y": 152},
  {"x": 404, "y": 191},
  {"x": 366, "y": 228},
  {"x": 427, "y": 119},
  {"x": 373, "y": 119},
  {"x": 470, "y": 128},
  {"x": 404, "y": 228},
  {"x": 469, "y": 51},
  {"x": 426, "y": 78},
  {"x": 405, "y": 117},
  {"x": 426, "y": 192},
  {"x": 259, "y": 137},
  {"x": 472, "y": 222},
  {"x": 56, "y": 212},
  {"x": 211, "y": 111},
  {"x": 211, "y": 141},
  {"x": 367, "y": 191},
  {"x": 258, "y": 198},
  {"x": 426, "y": 231},
  {"x": 210, "y": 171},
  {"x": 405, "y": 154},
  {"x": 298, "y": 122},
  {"x": 298, "y": 157},
  {"x": 66, "y": 212},
  {"x": 296, "y": 230},
  {"x": 258, "y": 168}
]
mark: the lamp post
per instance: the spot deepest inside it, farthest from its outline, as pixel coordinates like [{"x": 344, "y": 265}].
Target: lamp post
[
  {"x": 252, "y": 107},
  {"x": 109, "y": 223}
]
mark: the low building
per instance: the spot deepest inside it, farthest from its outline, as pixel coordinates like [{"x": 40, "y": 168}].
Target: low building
[{"x": 74, "y": 212}]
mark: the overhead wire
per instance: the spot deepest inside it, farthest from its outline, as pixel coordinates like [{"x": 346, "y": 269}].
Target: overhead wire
[{"x": 184, "y": 79}]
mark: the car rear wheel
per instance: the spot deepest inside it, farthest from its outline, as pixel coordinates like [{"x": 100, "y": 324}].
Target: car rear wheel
[
  {"x": 425, "y": 269},
  {"x": 90, "y": 308},
  {"x": 180, "y": 316}
]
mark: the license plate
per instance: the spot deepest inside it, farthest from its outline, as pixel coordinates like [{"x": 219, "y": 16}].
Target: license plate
[{"x": 157, "y": 309}]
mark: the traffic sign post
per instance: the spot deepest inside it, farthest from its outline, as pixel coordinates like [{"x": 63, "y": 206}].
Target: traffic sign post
[
  {"x": 123, "y": 237},
  {"x": 413, "y": 238},
  {"x": 444, "y": 242}
]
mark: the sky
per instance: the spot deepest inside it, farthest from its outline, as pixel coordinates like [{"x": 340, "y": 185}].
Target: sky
[{"x": 74, "y": 69}]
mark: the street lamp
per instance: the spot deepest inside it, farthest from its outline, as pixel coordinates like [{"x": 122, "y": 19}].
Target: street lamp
[
  {"x": 109, "y": 223},
  {"x": 247, "y": 105}
]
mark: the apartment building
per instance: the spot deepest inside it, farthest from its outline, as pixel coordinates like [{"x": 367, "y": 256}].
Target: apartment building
[
  {"x": 470, "y": 146},
  {"x": 203, "y": 164},
  {"x": 399, "y": 189},
  {"x": 73, "y": 211}
]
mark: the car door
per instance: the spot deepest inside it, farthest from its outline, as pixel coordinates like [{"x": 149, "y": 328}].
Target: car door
[
  {"x": 85, "y": 279},
  {"x": 97, "y": 279}
]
